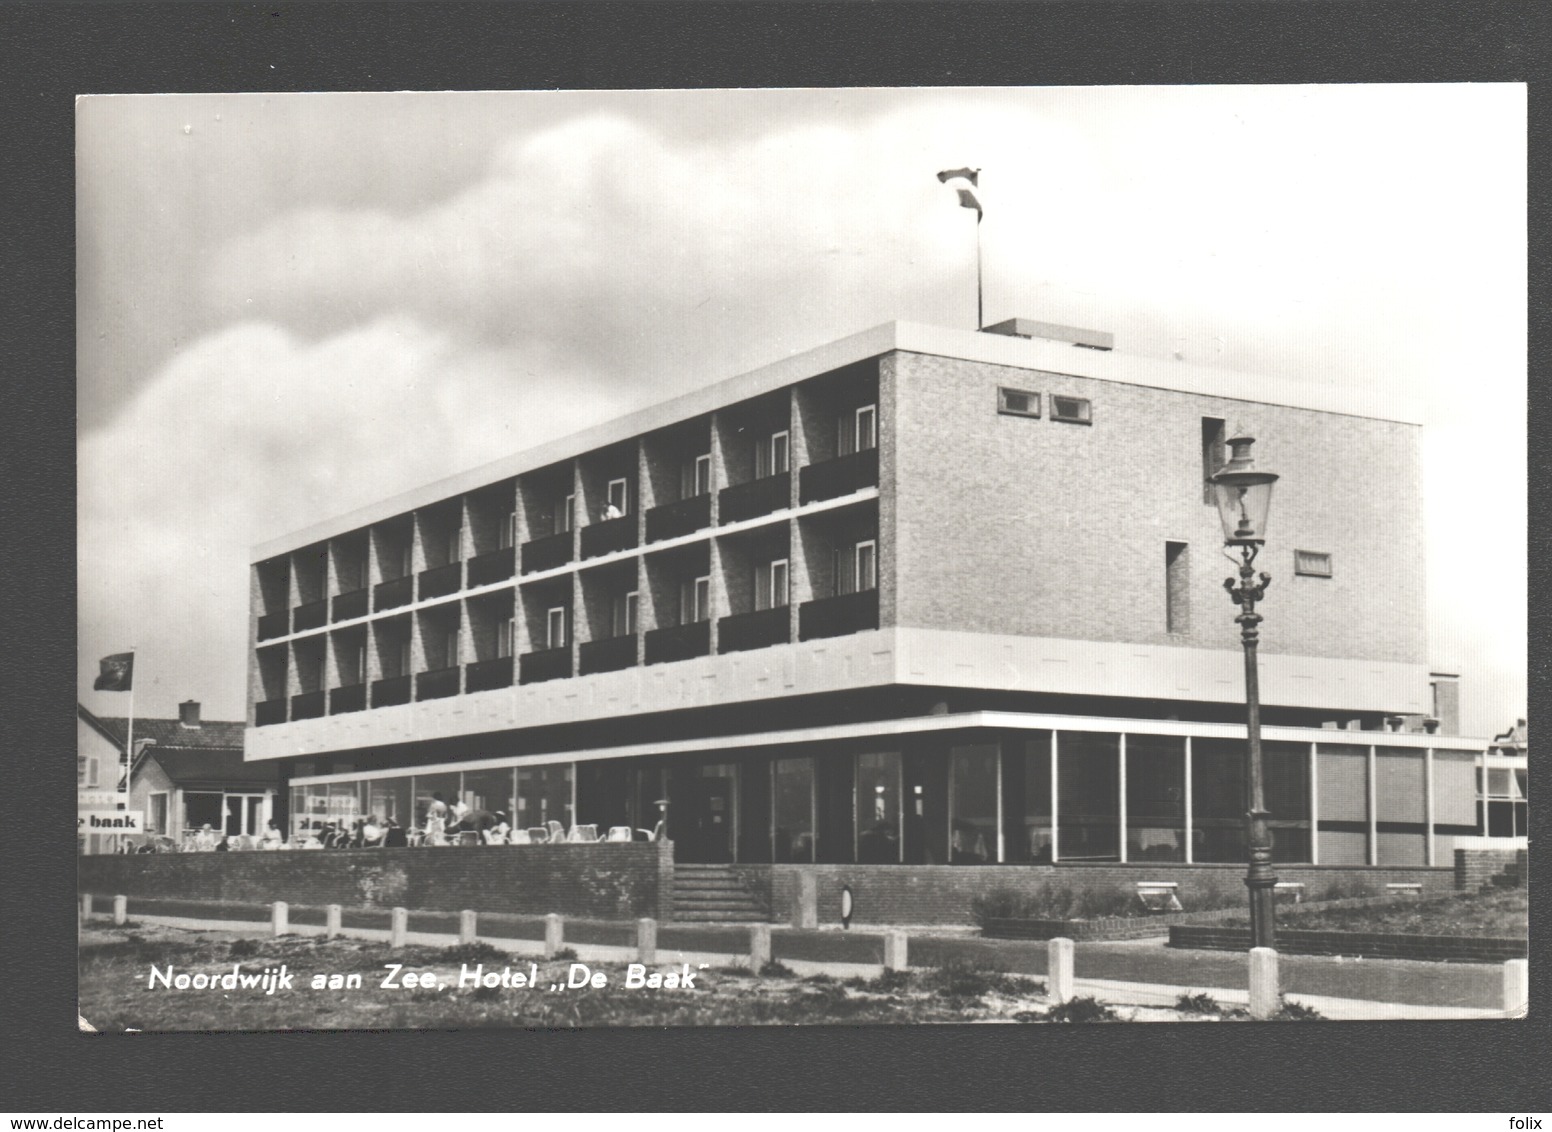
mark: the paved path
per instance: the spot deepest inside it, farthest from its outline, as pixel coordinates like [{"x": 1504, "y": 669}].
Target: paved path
[{"x": 1135, "y": 971}]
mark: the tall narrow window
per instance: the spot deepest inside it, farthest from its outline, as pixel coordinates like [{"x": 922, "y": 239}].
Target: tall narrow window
[
  {"x": 357, "y": 665},
  {"x": 1214, "y": 435},
  {"x": 867, "y": 428},
  {"x": 694, "y": 600},
  {"x": 779, "y": 459},
  {"x": 619, "y": 496},
  {"x": 508, "y": 537},
  {"x": 404, "y": 657},
  {"x": 561, "y": 523},
  {"x": 454, "y": 545},
  {"x": 700, "y": 476},
  {"x": 506, "y": 634},
  {"x": 623, "y": 615},
  {"x": 1177, "y": 587},
  {"x": 867, "y": 565},
  {"x": 450, "y": 647},
  {"x": 555, "y": 628},
  {"x": 770, "y": 585}
]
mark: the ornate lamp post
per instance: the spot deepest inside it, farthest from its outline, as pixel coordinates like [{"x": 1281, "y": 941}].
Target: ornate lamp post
[{"x": 1243, "y": 495}]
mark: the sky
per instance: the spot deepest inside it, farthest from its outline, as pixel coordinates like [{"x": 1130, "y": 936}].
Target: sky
[{"x": 290, "y": 306}]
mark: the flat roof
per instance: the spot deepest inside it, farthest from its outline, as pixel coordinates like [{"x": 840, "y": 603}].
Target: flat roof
[{"x": 969, "y": 345}]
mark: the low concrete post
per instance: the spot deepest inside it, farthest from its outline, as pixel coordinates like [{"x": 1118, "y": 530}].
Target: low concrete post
[
  {"x": 86, "y": 906},
  {"x": 399, "y": 928},
  {"x": 1058, "y": 970},
  {"x": 554, "y": 934},
  {"x": 121, "y": 910},
  {"x": 759, "y": 947},
  {"x": 894, "y": 950},
  {"x": 278, "y": 915},
  {"x": 646, "y": 940},
  {"x": 332, "y": 927},
  {"x": 1516, "y": 986},
  {"x": 805, "y": 903},
  {"x": 1265, "y": 997},
  {"x": 466, "y": 926}
]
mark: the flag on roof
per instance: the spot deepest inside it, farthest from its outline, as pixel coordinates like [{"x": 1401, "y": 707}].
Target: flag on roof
[
  {"x": 967, "y": 199},
  {"x": 118, "y": 673},
  {"x": 971, "y": 175}
]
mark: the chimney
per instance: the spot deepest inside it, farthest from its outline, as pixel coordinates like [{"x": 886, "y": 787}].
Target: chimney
[
  {"x": 1446, "y": 702},
  {"x": 188, "y": 713}
]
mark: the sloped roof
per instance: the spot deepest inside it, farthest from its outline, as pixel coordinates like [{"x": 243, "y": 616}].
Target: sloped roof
[
  {"x": 208, "y": 757},
  {"x": 210, "y": 769},
  {"x": 210, "y": 735}
]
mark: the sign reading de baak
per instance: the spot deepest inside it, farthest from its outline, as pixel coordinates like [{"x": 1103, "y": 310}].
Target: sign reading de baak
[{"x": 111, "y": 821}]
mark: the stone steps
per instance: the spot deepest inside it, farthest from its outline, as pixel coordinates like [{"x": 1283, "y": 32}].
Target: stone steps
[{"x": 715, "y": 894}]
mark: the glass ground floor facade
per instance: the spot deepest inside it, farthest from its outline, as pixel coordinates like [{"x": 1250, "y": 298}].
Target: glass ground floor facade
[{"x": 1084, "y": 792}]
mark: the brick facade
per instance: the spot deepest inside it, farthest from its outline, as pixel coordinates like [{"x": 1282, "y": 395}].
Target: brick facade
[
  {"x": 622, "y": 881},
  {"x": 1475, "y": 868},
  {"x": 1369, "y": 945}
]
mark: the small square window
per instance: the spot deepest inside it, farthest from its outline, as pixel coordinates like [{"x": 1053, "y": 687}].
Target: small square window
[
  {"x": 1312, "y": 563},
  {"x": 1074, "y": 410},
  {"x": 1018, "y": 403}
]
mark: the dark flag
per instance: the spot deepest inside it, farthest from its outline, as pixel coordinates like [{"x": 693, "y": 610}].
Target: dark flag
[
  {"x": 967, "y": 199},
  {"x": 118, "y": 673},
  {"x": 971, "y": 175}
]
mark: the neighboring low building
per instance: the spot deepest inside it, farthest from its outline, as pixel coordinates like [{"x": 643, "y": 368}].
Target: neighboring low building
[
  {"x": 187, "y": 773},
  {"x": 1503, "y": 789}
]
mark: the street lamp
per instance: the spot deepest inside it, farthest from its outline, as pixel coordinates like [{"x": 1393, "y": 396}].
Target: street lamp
[{"x": 1243, "y": 495}]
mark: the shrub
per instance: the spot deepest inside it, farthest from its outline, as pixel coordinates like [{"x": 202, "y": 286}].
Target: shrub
[
  {"x": 818, "y": 980},
  {"x": 959, "y": 979},
  {"x": 1081, "y": 1010},
  {"x": 1052, "y": 903},
  {"x": 1297, "y": 1012},
  {"x": 775, "y": 968},
  {"x": 565, "y": 955},
  {"x": 889, "y": 981},
  {"x": 242, "y": 948},
  {"x": 477, "y": 952},
  {"x": 1200, "y": 1003}
]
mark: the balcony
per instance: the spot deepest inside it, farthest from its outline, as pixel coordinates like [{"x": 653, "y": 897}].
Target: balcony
[
  {"x": 346, "y": 607},
  {"x": 608, "y": 655},
  {"x": 493, "y": 566},
  {"x": 838, "y": 616},
  {"x": 313, "y": 615},
  {"x": 547, "y": 553},
  {"x": 483, "y": 675},
  {"x": 678, "y": 642},
  {"x": 391, "y": 595},
  {"x": 269, "y": 711},
  {"x": 757, "y": 630},
  {"x": 674, "y": 519},
  {"x": 755, "y": 498},
  {"x": 609, "y": 536},
  {"x": 390, "y": 690},
  {"x": 437, "y": 684},
  {"x": 440, "y": 581},
  {"x": 352, "y": 697},
  {"x": 546, "y": 664},
  {"x": 841, "y": 476},
  {"x": 273, "y": 625},
  {"x": 308, "y": 705}
]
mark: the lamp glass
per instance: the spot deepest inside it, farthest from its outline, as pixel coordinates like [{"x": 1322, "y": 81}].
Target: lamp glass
[{"x": 1243, "y": 500}]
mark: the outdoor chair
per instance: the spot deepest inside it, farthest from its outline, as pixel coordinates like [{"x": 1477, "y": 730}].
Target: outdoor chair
[
  {"x": 557, "y": 831},
  {"x": 519, "y": 837},
  {"x": 584, "y": 834},
  {"x": 619, "y": 833},
  {"x": 538, "y": 835},
  {"x": 644, "y": 835}
]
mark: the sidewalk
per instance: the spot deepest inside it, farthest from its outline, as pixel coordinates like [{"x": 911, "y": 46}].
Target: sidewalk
[{"x": 1136, "y": 973}]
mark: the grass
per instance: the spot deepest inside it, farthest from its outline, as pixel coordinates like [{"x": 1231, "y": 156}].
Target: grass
[
  {"x": 1501, "y": 913},
  {"x": 115, "y": 967}
]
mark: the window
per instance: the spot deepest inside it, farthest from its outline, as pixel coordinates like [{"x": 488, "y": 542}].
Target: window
[
  {"x": 85, "y": 771},
  {"x": 1177, "y": 587},
  {"x": 878, "y": 819},
  {"x": 1215, "y": 432},
  {"x": 1073, "y": 410},
  {"x": 1343, "y": 775},
  {"x": 771, "y": 456},
  {"x": 695, "y": 479},
  {"x": 450, "y": 648},
  {"x": 619, "y": 496},
  {"x": 1155, "y": 798},
  {"x": 867, "y": 565},
  {"x": 555, "y": 628},
  {"x": 353, "y": 670},
  {"x": 406, "y": 560},
  {"x": 856, "y": 570},
  {"x": 1088, "y": 795},
  {"x": 560, "y": 522},
  {"x": 792, "y": 805},
  {"x": 158, "y": 815},
  {"x": 694, "y": 600},
  {"x": 770, "y": 585},
  {"x": 622, "y": 614},
  {"x": 404, "y": 656},
  {"x": 858, "y": 431},
  {"x": 973, "y": 792},
  {"x": 508, "y": 535},
  {"x": 506, "y": 637},
  {"x": 1312, "y": 563},
  {"x": 454, "y": 545},
  {"x": 1018, "y": 403}
]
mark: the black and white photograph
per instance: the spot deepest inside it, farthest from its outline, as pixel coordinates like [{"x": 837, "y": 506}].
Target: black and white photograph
[{"x": 749, "y": 557}]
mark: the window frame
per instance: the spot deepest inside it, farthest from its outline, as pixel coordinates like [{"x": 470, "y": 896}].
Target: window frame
[
  {"x": 564, "y": 519},
  {"x": 785, "y": 437},
  {"x": 623, "y": 503},
  {"x": 870, "y": 412},
  {"x": 550, "y": 628},
  {"x": 1066, "y": 417},
  {"x": 624, "y": 608},
  {"x": 506, "y": 637},
  {"x": 871, "y": 545},
  {"x": 700, "y": 476},
  {"x": 1006, "y": 410},
  {"x": 1300, "y": 564},
  {"x": 159, "y": 828}
]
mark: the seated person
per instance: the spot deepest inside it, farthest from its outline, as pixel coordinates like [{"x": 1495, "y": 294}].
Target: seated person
[
  {"x": 498, "y": 833},
  {"x": 371, "y": 832},
  {"x": 273, "y": 839},
  {"x": 394, "y": 837},
  {"x": 205, "y": 840},
  {"x": 224, "y": 845}
]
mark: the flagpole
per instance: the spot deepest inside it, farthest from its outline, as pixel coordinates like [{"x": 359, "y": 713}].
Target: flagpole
[
  {"x": 129, "y": 745},
  {"x": 980, "y": 317}
]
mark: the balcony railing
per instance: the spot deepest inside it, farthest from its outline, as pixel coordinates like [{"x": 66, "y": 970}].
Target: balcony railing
[
  {"x": 308, "y": 705},
  {"x": 838, "y": 616},
  {"x": 348, "y": 606},
  {"x": 547, "y": 664},
  {"x": 755, "y": 498},
  {"x": 313, "y": 615},
  {"x": 608, "y": 655},
  {"x": 547, "y": 553},
  {"x": 266, "y": 712},
  {"x": 352, "y": 697},
  {"x": 391, "y": 690},
  {"x": 674, "y": 519},
  {"x": 493, "y": 566},
  {"x": 440, "y": 581},
  {"x": 609, "y": 536},
  {"x": 391, "y": 595},
  {"x": 678, "y": 642},
  {"x": 483, "y": 675},
  {"x": 274, "y": 625},
  {"x": 757, "y": 630},
  {"x": 841, "y": 476},
  {"x": 437, "y": 684}
]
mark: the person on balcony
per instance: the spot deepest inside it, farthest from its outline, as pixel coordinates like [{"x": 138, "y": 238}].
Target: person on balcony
[{"x": 612, "y": 511}]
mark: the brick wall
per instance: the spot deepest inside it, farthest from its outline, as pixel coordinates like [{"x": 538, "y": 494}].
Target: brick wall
[
  {"x": 1372, "y": 945},
  {"x": 622, "y": 881},
  {"x": 1084, "y": 511},
  {"x": 941, "y": 894},
  {"x": 1477, "y": 867}
]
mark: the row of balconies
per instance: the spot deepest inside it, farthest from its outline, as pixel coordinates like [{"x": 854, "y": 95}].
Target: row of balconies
[
  {"x": 754, "y": 499},
  {"x": 836, "y": 616}
]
